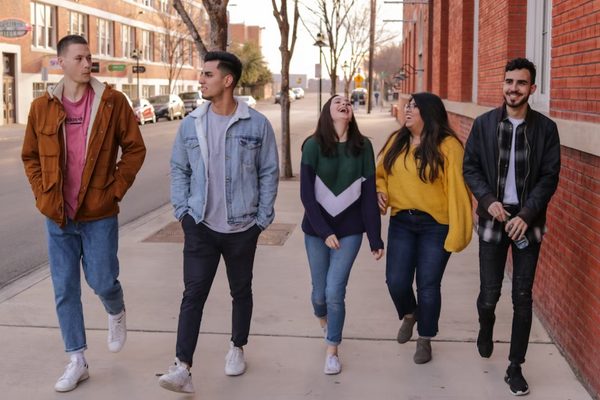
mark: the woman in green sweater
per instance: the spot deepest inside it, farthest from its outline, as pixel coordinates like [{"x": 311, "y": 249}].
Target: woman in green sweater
[
  {"x": 419, "y": 176},
  {"x": 337, "y": 188}
]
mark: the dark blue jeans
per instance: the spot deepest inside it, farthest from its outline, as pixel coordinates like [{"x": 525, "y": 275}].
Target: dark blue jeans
[
  {"x": 492, "y": 259},
  {"x": 416, "y": 244}
]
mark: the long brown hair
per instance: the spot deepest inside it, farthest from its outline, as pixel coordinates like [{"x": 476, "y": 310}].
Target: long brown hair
[
  {"x": 328, "y": 139},
  {"x": 428, "y": 156}
]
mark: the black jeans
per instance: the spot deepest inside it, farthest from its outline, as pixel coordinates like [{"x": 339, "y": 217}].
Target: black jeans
[
  {"x": 202, "y": 252},
  {"x": 492, "y": 259}
]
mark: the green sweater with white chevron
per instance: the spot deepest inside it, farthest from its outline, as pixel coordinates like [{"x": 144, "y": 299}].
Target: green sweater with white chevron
[{"x": 339, "y": 194}]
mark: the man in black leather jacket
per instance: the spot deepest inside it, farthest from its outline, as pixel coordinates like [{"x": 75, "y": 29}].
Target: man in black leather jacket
[{"x": 512, "y": 166}]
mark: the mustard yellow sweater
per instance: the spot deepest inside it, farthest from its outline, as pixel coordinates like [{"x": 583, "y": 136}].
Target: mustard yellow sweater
[{"x": 447, "y": 199}]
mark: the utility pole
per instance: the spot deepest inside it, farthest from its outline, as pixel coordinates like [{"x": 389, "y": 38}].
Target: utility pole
[{"x": 371, "y": 56}]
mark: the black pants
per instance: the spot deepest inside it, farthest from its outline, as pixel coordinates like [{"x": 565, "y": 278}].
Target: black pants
[
  {"x": 492, "y": 259},
  {"x": 202, "y": 252}
]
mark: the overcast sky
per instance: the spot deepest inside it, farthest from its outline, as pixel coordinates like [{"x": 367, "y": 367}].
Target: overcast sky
[{"x": 260, "y": 12}]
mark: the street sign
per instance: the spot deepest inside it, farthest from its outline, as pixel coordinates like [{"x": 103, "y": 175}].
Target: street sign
[
  {"x": 317, "y": 70},
  {"x": 14, "y": 28},
  {"x": 117, "y": 67},
  {"x": 141, "y": 69},
  {"x": 382, "y": 74},
  {"x": 54, "y": 63},
  {"x": 298, "y": 80},
  {"x": 358, "y": 85},
  {"x": 358, "y": 79}
]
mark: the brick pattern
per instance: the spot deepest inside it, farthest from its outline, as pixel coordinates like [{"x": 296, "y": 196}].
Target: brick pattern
[
  {"x": 575, "y": 76},
  {"x": 567, "y": 283},
  {"x": 460, "y": 50},
  {"x": 502, "y": 32},
  {"x": 440, "y": 49}
]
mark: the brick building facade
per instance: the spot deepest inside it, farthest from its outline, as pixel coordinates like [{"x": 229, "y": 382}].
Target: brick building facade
[
  {"x": 458, "y": 50},
  {"x": 113, "y": 29}
]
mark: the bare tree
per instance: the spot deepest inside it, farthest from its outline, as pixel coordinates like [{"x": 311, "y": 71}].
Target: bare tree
[
  {"x": 331, "y": 16},
  {"x": 357, "y": 29},
  {"x": 217, "y": 15},
  {"x": 287, "y": 50},
  {"x": 174, "y": 47},
  {"x": 388, "y": 60}
]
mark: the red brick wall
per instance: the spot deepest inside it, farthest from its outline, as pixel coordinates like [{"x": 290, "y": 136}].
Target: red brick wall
[
  {"x": 460, "y": 50},
  {"x": 567, "y": 282},
  {"x": 502, "y": 32},
  {"x": 567, "y": 290},
  {"x": 575, "y": 76},
  {"x": 439, "y": 83}
]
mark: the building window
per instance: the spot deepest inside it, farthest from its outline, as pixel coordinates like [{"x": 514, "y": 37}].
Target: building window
[
  {"x": 163, "y": 89},
  {"x": 39, "y": 88},
  {"x": 163, "y": 48},
  {"x": 539, "y": 17},
  {"x": 190, "y": 88},
  {"x": 190, "y": 54},
  {"x": 179, "y": 52},
  {"x": 43, "y": 22},
  {"x": 148, "y": 46},
  {"x": 127, "y": 41},
  {"x": 163, "y": 6},
  {"x": 147, "y": 91},
  {"x": 148, "y": 3},
  {"x": 104, "y": 35},
  {"x": 77, "y": 24},
  {"x": 130, "y": 90}
]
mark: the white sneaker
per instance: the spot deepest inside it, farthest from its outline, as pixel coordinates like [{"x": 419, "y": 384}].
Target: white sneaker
[
  {"x": 74, "y": 374},
  {"x": 332, "y": 365},
  {"x": 235, "y": 361},
  {"x": 179, "y": 379},
  {"x": 117, "y": 333}
]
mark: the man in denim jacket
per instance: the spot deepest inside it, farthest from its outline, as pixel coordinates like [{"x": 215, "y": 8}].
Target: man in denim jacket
[{"x": 224, "y": 178}]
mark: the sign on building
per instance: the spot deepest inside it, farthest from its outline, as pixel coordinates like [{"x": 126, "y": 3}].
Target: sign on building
[{"x": 13, "y": 28}]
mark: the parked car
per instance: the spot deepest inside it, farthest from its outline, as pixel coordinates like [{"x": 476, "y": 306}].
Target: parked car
[
  {"x": 248, "y": 100},
  {"x": 291, "y": 96},
  {"x": 168, "y": 106},
  {"x": 192, "y": 100},
  {"x": 360, "y": 95},
  {"x": 144, "y": 111},
  {"x": 299, "y": 92}
]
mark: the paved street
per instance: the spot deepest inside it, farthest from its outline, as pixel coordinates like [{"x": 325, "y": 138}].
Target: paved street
[
  {"x": 286, "y": 352},
  {"x": 22, "y": 232}
]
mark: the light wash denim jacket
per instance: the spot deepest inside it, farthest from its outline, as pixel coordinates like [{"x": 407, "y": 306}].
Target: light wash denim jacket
[{"x": 251, "y": 167}]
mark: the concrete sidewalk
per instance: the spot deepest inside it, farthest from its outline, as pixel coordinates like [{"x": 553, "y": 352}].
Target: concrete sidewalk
[
  {"x": 286, "y": 352},
  {"x": 12, "y": 132}
]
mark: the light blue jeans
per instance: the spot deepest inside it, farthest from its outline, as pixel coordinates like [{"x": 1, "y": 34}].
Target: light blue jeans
[
  {"x": 93, "y": 245},
  {"x": 330, "y": 270}
]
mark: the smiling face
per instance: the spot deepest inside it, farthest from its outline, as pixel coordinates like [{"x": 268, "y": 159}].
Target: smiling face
[
  {"x": 414, "y": 122},
  {"x": 77, "y": 63},
  {"x": 340, "y": 109},
  {"x": 517, "y": 88},
  {"x": 213, "y": 83}
]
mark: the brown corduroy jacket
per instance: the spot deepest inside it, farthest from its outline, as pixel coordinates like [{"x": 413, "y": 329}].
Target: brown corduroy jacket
[{"x": 104, "y": 181}]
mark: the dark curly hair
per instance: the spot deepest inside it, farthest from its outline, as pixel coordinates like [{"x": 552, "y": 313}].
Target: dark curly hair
[{"x": 521, "y": 63}]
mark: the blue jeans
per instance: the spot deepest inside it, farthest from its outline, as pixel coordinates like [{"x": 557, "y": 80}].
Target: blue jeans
[
  {"x": 93, "y": 245},
  {"x": 416, "y": 243},
  {"x": 330, "y": 270}
]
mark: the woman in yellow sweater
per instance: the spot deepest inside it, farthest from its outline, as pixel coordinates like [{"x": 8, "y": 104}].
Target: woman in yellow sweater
[{"x": 419, "y": 176}]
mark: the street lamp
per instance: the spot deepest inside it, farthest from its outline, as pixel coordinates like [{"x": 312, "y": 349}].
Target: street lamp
[
  {"x": 136, "y": 55},
  {"x": 320, "y": 43},
  {"x": 347, "y": 83}
]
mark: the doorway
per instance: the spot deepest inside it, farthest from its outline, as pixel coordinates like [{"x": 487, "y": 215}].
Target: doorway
[{"x": 8, "y": 99}]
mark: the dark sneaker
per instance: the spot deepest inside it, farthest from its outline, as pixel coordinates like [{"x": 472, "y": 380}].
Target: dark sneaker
[
  {"x": 518, "y": 384},
  {"x": 406, "y": 330},
  {"x": 485, "y": 342}
]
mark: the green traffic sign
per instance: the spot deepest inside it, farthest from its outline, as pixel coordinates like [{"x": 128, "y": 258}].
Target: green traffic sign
[
  {"x": 383, "y": 74},
  {"x": 117, "y": 67}
]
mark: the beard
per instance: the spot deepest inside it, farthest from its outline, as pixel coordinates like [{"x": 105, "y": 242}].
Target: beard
[{"x": 516, "y": 103}]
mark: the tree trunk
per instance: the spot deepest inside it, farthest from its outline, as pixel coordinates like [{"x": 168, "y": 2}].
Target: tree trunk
[
  {"x": 333, "y": 77},
  {"x": 286, "y": 157},
  {"x": 218, "y": 31}
]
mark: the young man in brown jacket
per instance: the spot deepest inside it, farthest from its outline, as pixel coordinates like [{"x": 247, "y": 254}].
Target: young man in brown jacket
[{"x": 70, "y": 153}]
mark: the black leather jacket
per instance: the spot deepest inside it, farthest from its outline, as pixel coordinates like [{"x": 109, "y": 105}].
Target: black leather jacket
[{"x": 480, "y": 166}]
